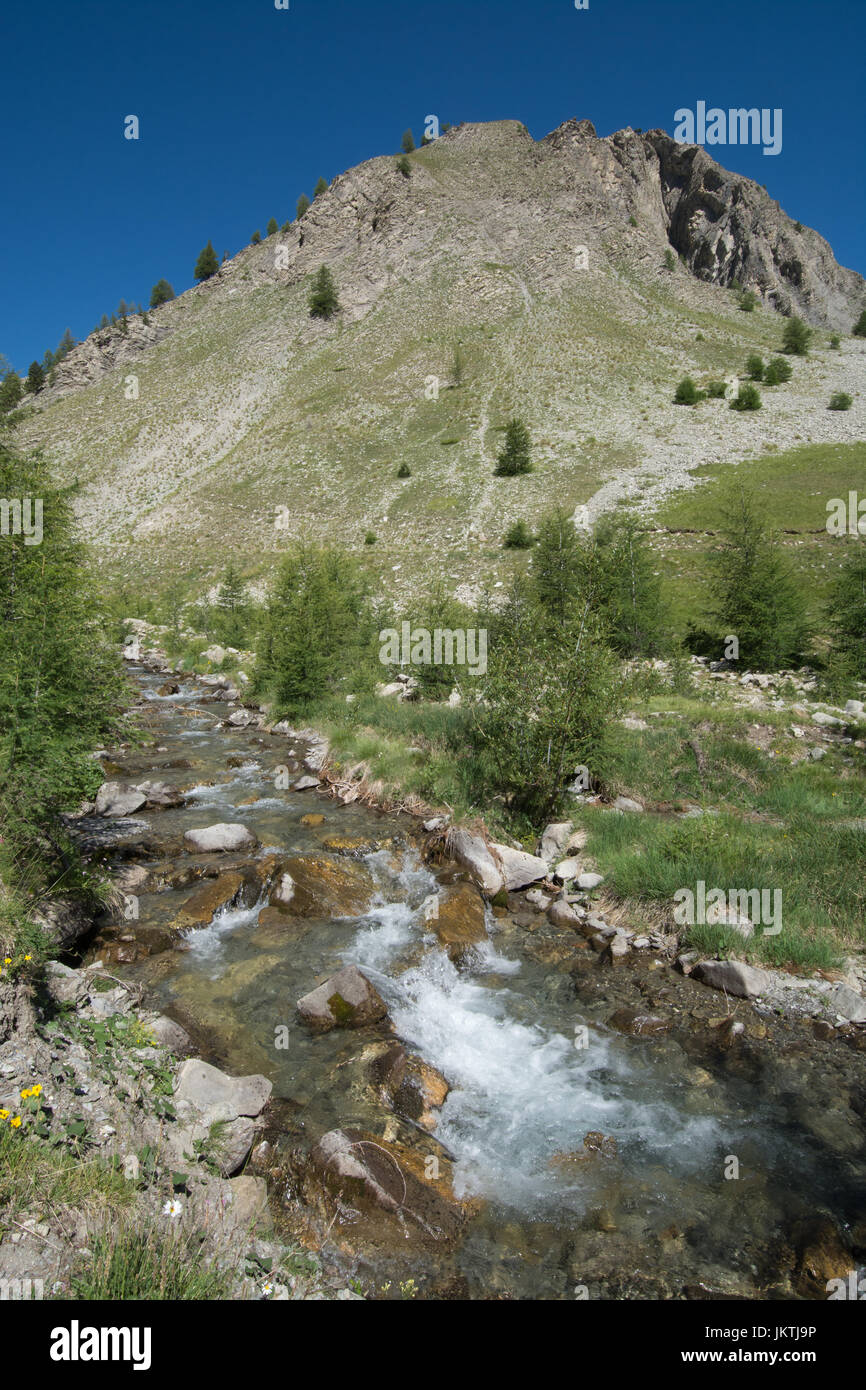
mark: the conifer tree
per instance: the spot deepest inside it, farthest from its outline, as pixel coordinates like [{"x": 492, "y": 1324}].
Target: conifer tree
[
  {"x": 303, "y": 205},
  {"x": 35, "y": 379},
  {"x": 324, "y": 301},
  {"x": 162, "y": 293},
  {"x": 320, "y": 188},
  {"x": 514, "y": 457},
  {"x": 207, "y": 264}
]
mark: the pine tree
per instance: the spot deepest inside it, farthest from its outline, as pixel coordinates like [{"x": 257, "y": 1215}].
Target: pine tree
[
  {"x": 11, "y": 391},
  {"x": 207, "y": 264},
  {"x": 255, "y": 238},
  {"x": 755, "y": 596},
  {"x": 407, "y": 144},
  {"x": 48, "y": 362},
  {"x": 403, "y": 165},
  {"x": 859, "y": 329},
  {"x": 233, "y": 605},
  {"x": 35, "y": 379},
  {"x": 303, "y": 204},
  {"x": 795, "y": 339},
  {"x": 556, "y": 566},
  {"x": 320, "y": 188},
  {"x": 104, "y": 322},
  {"x": 514, "y": 457},
  {"x": 273, "y": 226},
  {"x": 324, "y": 301},
  {"x": 162, "y": 293},
  {"x": 65, "y": 346},
  {"x": 846, "y": 611}
]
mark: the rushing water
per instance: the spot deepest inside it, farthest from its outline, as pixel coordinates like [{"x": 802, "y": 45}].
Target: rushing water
[{"x": 532, "y": 1071}]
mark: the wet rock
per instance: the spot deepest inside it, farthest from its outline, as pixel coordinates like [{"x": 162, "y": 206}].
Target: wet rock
[
  {"x": 305, "y": 784},
  {"x": 160, "y": 793},
  {"x": 168, "y": 688},
  {"x": 540, "y": 901},
  {"x": 206, "y": 901},
  {"x": 369, "y": 1171},
  {"x": 562, "y": 914},
  {"x": 313, "y": 819},
  {"x": 216, "y": 839},
  {"x": 314, "y": 886},
  {"x": 821, "y": 1254},
  {"x": 115, "y": 799},
  {"x": 346, "y": 1000},
  {"x": 413, "y": 1086},
  {"x": 733, "y": 976},
  {"x": 639, "y": 1025},
  {"x": 460, "y": 921}
]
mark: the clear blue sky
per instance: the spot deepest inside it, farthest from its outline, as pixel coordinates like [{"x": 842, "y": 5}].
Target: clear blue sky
[{"x": 242, "y": 107}]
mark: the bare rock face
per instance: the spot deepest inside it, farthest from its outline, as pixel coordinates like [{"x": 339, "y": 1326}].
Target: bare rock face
[{"x": 346, "y": 1000}]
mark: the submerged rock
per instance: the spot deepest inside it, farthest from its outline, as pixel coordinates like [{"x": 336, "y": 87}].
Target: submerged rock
[
  {"x": 311, "y": 885},
  {"x": 371, "y": 1171},
  {"x": 346, "y": 1000},
  {"x": 206, "y": 901},
  {"x": 459, "y": 919},
  {"x": 215, "y": 839}
]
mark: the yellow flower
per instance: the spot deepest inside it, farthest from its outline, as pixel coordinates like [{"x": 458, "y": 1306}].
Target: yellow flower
[
  {"x": 16, "y": 1123},
  {"x": 4, "y": 1114},
  {"x": 36, "y": 1090},
  {"x": 25, "y": 1095},
  {"x": 8, "y": 960},
  {"x": 28, "y": 957}
]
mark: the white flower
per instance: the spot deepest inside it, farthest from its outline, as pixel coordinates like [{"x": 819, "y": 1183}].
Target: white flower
[
  {"x": 267, "y": 1290},
  {"x": 172, "y": 1208}
]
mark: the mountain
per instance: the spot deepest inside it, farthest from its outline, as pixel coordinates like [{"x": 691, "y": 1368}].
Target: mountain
[{"x": 542, "y": 263}]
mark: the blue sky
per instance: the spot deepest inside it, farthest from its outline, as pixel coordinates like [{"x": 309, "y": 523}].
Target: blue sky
[{"x": 243, "y": 106}]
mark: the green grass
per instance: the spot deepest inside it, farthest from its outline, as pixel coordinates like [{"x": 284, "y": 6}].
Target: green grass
[
  {"x": 36, "y": 1176},
  {"x": 131, "y": 1264},
  {"x": 773, "y": 823},
  {"x": 792, "y": 488}
]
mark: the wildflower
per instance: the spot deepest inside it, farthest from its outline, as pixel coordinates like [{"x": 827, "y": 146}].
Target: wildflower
[
  {"x": 267, "y": 1290},
  {"x": 25, "y": 1095},
  {"x": 172, "y": 1208},
  {"x": 36, "y": 1090},
  {"x": 16, "y": 1123},
  {"x": 7, "y": 960},
  {"x": 4, "y": 1114},
  {"x": 28, "y": 957}
]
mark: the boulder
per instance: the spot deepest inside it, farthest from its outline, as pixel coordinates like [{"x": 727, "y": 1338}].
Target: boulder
[
  {"x": 734, "y": 977},
  {"x": 211, "y": 1093},
  {"x": 827, "y": 721},
  {"x": 346, "y": 1000},
  {"x": 626, "y": 803},
  {"x": 586, "y": 882},
  {"x": 562, "y": 914},
  {"x": 374, "y": 1172},
  {"x": 567, "y": 868},
  {"x": 305, "y": 784},
  {"x": 473, "y": 853},
  {"x": 160, "y": 794},
  {"x": 114, "y": 799},
  {"x": 459, "y": 919},
  {"x": 171, "y": 1035},
  {"x": 312, "y": 885},
  {"x": 847, "y": 1002},
  {"x": 637, "y": 1024},
  {"x": 208, "y": 899},
  {"x": 554, "y": 838},
  {"x": 65, "y": 985},
  {"x": 215, "y": 839},
  {"x": 519, "y": 868}
]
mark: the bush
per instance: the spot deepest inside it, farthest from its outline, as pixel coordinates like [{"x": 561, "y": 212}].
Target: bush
[
  {"x": 320, "y": 188},
  {"x": 835, "y": 340},
  {"x": 162, "y": 293},
  {"x": 514, "y": 457},
  {"x": 370, "y": 538},
  {"x": 255, "y": 239},
  {"x": 407, "y": 144},
  {"x": 545, "y": 705},
  {"x": 404, "y": 165},
  {"x": 778, "y": 371},
  {"x": 404, "y": 471},
  {"x": 687, "y": 392},
  {"x": 716, "y": 390},
  {"x": 272, "y": 227},
  {"x": 747, "y": 301},
  {"x": 518, "y": 537},
  {"x": 755, "y": 367},
  {"x": 747, "y": 398},
  {"x": 859, "y": 329},
  {"x": 840, "y": 400},
  {"x": 796, "y": 338},
  {"x": 317, "y": 629}
]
